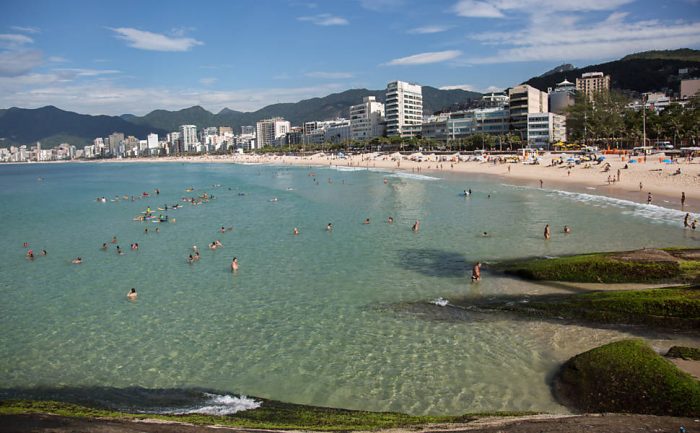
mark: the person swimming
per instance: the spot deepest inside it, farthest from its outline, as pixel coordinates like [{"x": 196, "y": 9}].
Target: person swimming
[
  {"x": 77, "y": 260},
  {"x": 104, "y": 246},
  {"x": 132, "y": 294},
  {"x": 390, "y": 220},
  {"x": 114, "y": 239},
  {"x": 416, "y": 226},
  {"x": 366, "y": 221},
  {"x": 296, "y": 231},
  {"x": 567, "y": 230},
  {"x": 329, "y": 227}
]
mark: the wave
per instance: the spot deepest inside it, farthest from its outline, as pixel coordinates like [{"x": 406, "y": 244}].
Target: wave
[
  {"x": 413, "y": 176},
  {"x": 216, "y": 404},
  {"x": 653, "y": 212},
  {"x": 440, "y": 302}
]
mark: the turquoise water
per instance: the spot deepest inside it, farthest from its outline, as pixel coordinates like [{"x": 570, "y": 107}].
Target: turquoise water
[{"x": 341, "y": 318}]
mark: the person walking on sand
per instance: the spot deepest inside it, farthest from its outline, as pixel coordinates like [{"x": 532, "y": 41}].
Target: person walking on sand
[
  {"x": 541, "y": 183},
  {"x": 640, "y": 186},
  {"x": 476, "y": 272},
  {"x": 547, "y": 232}
]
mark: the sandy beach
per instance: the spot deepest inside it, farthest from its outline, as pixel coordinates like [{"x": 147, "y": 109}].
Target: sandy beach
[{"x": 654, "y": 176}]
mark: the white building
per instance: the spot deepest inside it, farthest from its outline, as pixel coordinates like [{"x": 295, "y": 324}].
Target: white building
[
  {"x": 544, "y": 129},
  {"x": 562, "y": 97},
  {"x": 404, "y": 109},
  {"x": 152, "y": 140},
  {"x": 367, "y": 119},
  {"x": 269, "y": 130},
  {"x": 523, "y": 100},
  {"x": 188, "y": 136}
]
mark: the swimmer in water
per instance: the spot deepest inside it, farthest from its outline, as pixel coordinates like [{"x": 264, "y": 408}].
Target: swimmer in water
[
  {"x": 77, "y": 261},
  {"x": 366, "y": 221},
  {"x": 296, "y": 231},
  {"x": 104, "y": 246},
  {"x": 190, "y": 259},
  {"x": 30, "y": 255},
  {"x": 234, "y": 264},
  {"x": 416, "y": 226},
  {"x": 43, "y": 252},
  {"x": 132, "y": 294},
  {"x": 567, "y": 230},
  {"x": 390, "y": 220},
  {"x": 119, "y": 251},
  {"x": 547, "y": 232},
  {"x": 329, "y": 227},
  {"x": 114, "y": 239},
  {"x": 485, "y": 234}
]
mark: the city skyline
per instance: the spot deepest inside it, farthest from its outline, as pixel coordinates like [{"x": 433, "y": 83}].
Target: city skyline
[{"x": 104, "y": 58}]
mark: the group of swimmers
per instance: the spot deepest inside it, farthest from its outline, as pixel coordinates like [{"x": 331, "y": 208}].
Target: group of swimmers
[
  {"x": 687, "y": 224},
  {"x": 548, "y": 231}
]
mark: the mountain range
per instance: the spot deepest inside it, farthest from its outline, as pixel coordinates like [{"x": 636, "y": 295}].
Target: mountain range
[{"x": 640, "y": 72}]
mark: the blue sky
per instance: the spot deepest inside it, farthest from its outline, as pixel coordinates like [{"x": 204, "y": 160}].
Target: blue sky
[{"x": 106, "y": 57}]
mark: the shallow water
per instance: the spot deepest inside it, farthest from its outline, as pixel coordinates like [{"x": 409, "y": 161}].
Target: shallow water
[{"x": 307, "y": 319}]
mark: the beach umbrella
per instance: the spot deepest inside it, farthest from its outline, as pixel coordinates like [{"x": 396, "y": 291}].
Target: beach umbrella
[
  {"x": 667, "y": 161},
  {"x": 570, "y": 160}
]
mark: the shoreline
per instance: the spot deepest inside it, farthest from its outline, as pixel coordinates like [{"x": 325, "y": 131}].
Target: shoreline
[{"x": 655, "y": 176}]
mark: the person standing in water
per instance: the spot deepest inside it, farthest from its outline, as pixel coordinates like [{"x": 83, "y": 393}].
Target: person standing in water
[
  {"x": 649, "y": 198},
  {"x": 234, "y": 264},
  {"x": 547, "y": 232},
  {"x": 683, "y": 199},
  {"x": 476, "y": 272},
  {"x": 132, "y": 294},
  {"x": 416, "y": 226}
]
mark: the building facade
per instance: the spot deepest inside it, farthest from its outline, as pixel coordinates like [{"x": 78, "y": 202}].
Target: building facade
[
  {"x": 543, "y": 129},
  {"x": 690, "y": 88},
  {"x": 403, "y": 109},
  {"x": 367, "y": 119},
  {"x": 591, "y": 83},
  {"x": 525, "y": 99},
  {"x": 188, "y": 138},
  {"x": 562, "y": 97},
  {"x": 270, "y": 131}
]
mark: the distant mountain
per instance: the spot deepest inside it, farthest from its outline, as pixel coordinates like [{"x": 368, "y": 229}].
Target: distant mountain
[
  {"x": 325, "y": 108},
  {"x": 561, "y": 68},
  {"x": 641, "y": 72},
  {"x": 53, "y": 126},
  {"x": 680, "y": 54}
]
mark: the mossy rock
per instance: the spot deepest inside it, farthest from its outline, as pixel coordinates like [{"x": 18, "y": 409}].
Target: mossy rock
[
  {"x": 596, "y": 268},
  {"x": 628, "y": 377},
  {"x": 684, "y": 352}
]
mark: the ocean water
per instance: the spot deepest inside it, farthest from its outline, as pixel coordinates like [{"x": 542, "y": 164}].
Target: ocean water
[{"x": 358, "y": 317}]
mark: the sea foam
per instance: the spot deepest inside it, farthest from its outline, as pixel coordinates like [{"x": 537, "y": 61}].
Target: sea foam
[{"x": 216, "y": 404}]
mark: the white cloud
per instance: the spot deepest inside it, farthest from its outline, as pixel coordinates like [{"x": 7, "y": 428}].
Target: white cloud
[
  {"x": 57, "y": 59},
  {"x": 208, "y": 81},
  {"x": 329, "y": 75},
  {"x": 429, "y": 29},
  {"x": 425, "y": 58},
  {"x": 154, "y": 41},
  {"x": 325, "y": 20},
  {"x": 72, "y": 73},
  {"x": 477, "y": 9},
  {"x": 15, "y": 63},
  {"x": 27, "y": 29},
  {"x": 14, "y": 41},
  {"x": 101, "y": 95},
  {"x": 499, "y": 8},
  {"x": 613, "y": 37},
  {"x": 467, "y": 87}
]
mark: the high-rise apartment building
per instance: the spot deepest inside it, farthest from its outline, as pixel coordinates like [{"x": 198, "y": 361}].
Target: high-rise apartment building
[
  {"x": 524, "y": 99},
  {"x": 404, "y": 109},
  {"x": 591, "y": 83},
  {"x": 116, "y": 139},
  {"x": 367, "y": 119},
  {"x": 188, "y": 137},
  {"x": 269, "y": 130}
]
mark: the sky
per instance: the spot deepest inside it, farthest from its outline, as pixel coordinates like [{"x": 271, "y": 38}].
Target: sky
[{"x": 134, "y": 56}]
